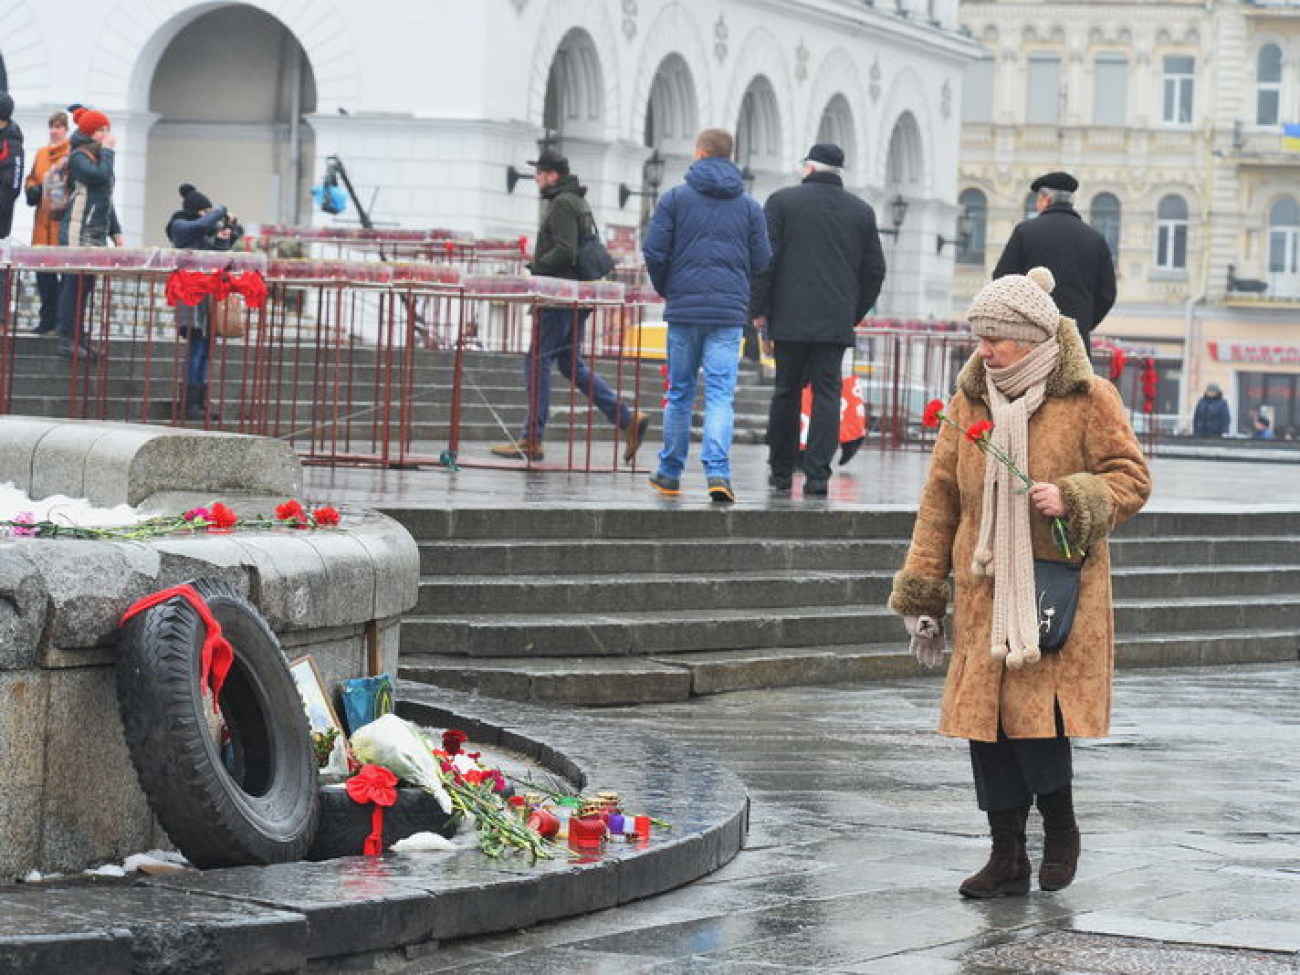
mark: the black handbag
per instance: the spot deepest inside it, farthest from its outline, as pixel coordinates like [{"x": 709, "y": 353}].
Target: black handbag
[
  {"x": 593, "y": 260},
  {"x": 1056, "y": 586}
]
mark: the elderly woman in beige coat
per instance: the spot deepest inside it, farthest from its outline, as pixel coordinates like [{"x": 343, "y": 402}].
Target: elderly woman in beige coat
[{"x": 1067, "y": 429}]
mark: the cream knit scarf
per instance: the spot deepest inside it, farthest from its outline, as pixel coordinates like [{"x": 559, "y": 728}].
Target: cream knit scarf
[{"x": 1004, "y": 550}]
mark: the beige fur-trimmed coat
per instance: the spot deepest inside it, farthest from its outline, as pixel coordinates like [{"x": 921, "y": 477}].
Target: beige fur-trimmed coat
[{"x": 1081, "y": 440}]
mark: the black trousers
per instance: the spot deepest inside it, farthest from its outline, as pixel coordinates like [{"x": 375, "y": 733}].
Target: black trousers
[
  {"x": 797, "y": 365},
  {"x": 1011, "y": 771}
]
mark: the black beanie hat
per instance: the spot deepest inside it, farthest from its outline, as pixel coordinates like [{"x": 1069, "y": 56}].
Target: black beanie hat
[
  {"x": 192, "y": 201},
  {"x": 6, "y": 106}
]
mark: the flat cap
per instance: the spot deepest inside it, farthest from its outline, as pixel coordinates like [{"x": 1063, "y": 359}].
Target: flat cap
[
  {"x": 1055, "y": 181},
  {"x": 551, "y": 160},
  {"x": 826, "y": 153}
]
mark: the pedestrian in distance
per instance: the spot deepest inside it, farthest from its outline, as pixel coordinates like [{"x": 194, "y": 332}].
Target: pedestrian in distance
[
  {"x": 1264, "y": 428},
  {"x": 557, "y": 338},
  {"x": 49, "y": 169},
  {"x": 1212, "y": 416},
  {"x": 1068, "y": 430},
  {"x": 826, "y": 272},
  {"x": 88, "y": 221},
  {"x": 11, "y": 163},
  {"x": 1076, "y": 254},
  {"x": 198, "y": 225},
  {"x": 706, "y": 242}
]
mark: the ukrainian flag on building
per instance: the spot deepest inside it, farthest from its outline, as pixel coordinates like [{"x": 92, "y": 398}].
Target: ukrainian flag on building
[{"x": 1291, "y": 137}]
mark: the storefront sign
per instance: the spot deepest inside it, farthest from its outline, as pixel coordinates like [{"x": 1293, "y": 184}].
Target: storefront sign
[{"x": 1267, "y": 355}]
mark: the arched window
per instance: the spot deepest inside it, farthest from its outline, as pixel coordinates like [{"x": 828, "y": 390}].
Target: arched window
[
  {"x": 575, "y": 88},
  {"x": 671, "y": 115},
  {"x": 1283, "y": 245},
  {"x": 758, "y": 130},
  {"x": 975, "y": 209},
  {"x": 836, "y": 126},
  {"x": 1268, "y": 85},
  {"x": 1171, "y": 233},
  {"x": 1105, "y": 217}
]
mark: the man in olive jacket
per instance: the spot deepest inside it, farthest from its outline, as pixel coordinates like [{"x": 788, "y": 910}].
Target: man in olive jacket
[
  {"x": 558, "y": 340},
  {"x": 1077, "y": 254},
  {"x": 826, "y": 272}
]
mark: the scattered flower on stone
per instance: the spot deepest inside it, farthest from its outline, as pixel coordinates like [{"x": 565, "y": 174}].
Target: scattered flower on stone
[
  {"x": 325, "y": 517},
  {"x": 291, "y": 511},
  {"x": 222, "y": 516}
]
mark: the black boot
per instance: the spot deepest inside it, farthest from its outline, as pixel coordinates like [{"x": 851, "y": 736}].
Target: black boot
[
  {"x": 1060, "y": 840},
  {"x": 1008, "y": 871}
]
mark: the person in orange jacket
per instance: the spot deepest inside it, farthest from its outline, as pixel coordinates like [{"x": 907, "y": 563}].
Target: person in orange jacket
[{"x": 45, "y": 227}]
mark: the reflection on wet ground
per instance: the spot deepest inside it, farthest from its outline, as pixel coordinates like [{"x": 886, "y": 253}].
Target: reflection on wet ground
[{"x": 864, "y": 823}]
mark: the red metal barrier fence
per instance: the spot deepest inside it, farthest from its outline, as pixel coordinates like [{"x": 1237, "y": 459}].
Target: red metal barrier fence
[{"x": 400, "y": 361}]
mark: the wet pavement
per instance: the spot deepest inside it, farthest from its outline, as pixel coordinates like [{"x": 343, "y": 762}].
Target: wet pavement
[
  {"x": 863, "y": 824},
  {"x": 872, "y": 479}
]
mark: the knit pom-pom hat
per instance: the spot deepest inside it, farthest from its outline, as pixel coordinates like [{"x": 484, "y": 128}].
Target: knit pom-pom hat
[{"x": 1018, "y": 306}]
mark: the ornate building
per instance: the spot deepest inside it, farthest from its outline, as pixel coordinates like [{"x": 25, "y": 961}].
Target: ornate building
[
  {"x": 433, "y": 106},
  {"x": 1171, "y": 113}
]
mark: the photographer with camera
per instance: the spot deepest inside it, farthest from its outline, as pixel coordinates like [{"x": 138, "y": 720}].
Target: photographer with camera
[{"x": 198, "y": 225}]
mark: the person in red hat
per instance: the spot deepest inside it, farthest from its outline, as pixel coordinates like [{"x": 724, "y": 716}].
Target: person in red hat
[{"x": 88, "y": 221}]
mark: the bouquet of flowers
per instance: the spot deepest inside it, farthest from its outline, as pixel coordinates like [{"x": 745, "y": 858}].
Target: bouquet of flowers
[
  {"x": 978, "y": 434},
  {"x": 213, "y": 518}
]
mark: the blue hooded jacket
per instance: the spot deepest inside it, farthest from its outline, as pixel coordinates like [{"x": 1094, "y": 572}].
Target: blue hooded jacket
[{"x": 706, "y": 242}]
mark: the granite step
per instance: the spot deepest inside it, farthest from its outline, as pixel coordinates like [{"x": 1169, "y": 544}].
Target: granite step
[
  {"x": 606, "y": 681},
  {"x": 619, "y": 634},
  {"x": 629, "y": 592},
  {"x": 492, "y": 557}
]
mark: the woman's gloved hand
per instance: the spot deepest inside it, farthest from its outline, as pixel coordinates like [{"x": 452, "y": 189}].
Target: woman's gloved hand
[{"x": 928, "y": 643}]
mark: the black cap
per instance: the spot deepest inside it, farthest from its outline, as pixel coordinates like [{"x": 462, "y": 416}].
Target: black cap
[
  {"x": 1055, "y": 181},
  {"x": 826, "y": 153},
  {"x": 552, "y": 161}
]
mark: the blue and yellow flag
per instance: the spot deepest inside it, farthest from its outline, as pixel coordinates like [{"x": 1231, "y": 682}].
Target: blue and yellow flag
[{"x": 1291, "y": 137}]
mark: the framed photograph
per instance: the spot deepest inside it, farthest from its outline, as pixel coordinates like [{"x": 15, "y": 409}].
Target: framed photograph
[{"x": 320, "y": 712}]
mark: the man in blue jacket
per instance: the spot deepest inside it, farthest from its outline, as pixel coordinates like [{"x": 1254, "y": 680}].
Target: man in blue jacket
[{"x": 707, "y": 241}]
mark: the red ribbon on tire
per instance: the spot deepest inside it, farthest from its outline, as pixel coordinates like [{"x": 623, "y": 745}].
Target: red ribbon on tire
[{"x": 218, "y": 654}]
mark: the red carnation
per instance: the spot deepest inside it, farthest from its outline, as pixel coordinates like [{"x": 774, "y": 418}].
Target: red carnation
[
  {"x": 291, "y": 510},
  {"x": 326, "y": 516},
  {"x": 978, "y": 431},
  {"x": 933, "y": 413},
  {"x": 452, "y": 739},
  {"x": 221, "y": 516}
]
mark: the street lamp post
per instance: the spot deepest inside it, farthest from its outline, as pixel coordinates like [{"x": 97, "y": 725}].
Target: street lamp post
[
  {"x": 962, "y": 240},
  {"x": 897, "y": 214},
  {"x": 652, "y": 177}
]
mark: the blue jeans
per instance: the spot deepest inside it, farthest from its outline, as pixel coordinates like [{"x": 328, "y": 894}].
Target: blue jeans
[
  {"x": 192, "y": 323},
  {"x": 717, "y": 349},
  {"x": 559, "y": 342}
]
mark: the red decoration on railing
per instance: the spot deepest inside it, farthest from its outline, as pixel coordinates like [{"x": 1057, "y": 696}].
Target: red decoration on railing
[
  {"x": 1117, "y": 362},
  {"x": 191, "y": 287},
  {"x": 1150, "y": 380}
]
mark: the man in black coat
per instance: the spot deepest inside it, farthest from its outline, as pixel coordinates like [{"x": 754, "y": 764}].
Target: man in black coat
[
  {"x": 826, "y": 271},
  {"x": 1076, "y": 254}
]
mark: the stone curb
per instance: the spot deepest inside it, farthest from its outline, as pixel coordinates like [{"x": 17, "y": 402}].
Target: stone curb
[{"x": 279, "y": 918}]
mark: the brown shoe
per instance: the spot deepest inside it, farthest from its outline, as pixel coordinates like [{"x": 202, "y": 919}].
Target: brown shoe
[
  {"x": 523, "y": 450},
  {"x": 635, "y": 434},
  {"x": 1008, "y": 870},
  {"x": 1060, "y": 840}
]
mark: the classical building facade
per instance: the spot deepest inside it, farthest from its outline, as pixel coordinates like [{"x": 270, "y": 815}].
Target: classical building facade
[
  {"x": 429, "y": 104},
  {"x": 1172, "y": 114}
]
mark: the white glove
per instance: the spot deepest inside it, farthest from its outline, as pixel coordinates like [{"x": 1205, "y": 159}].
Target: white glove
[{"x": 928, "y": 643}]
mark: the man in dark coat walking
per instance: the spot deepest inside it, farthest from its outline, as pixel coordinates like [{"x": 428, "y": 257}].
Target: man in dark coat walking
[
  {"x": 558, "y": 338},
  {"x": 1077, "y": 255},
  {"x": 827, "y": 268},
  {"x": 11, "y": 163}
]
